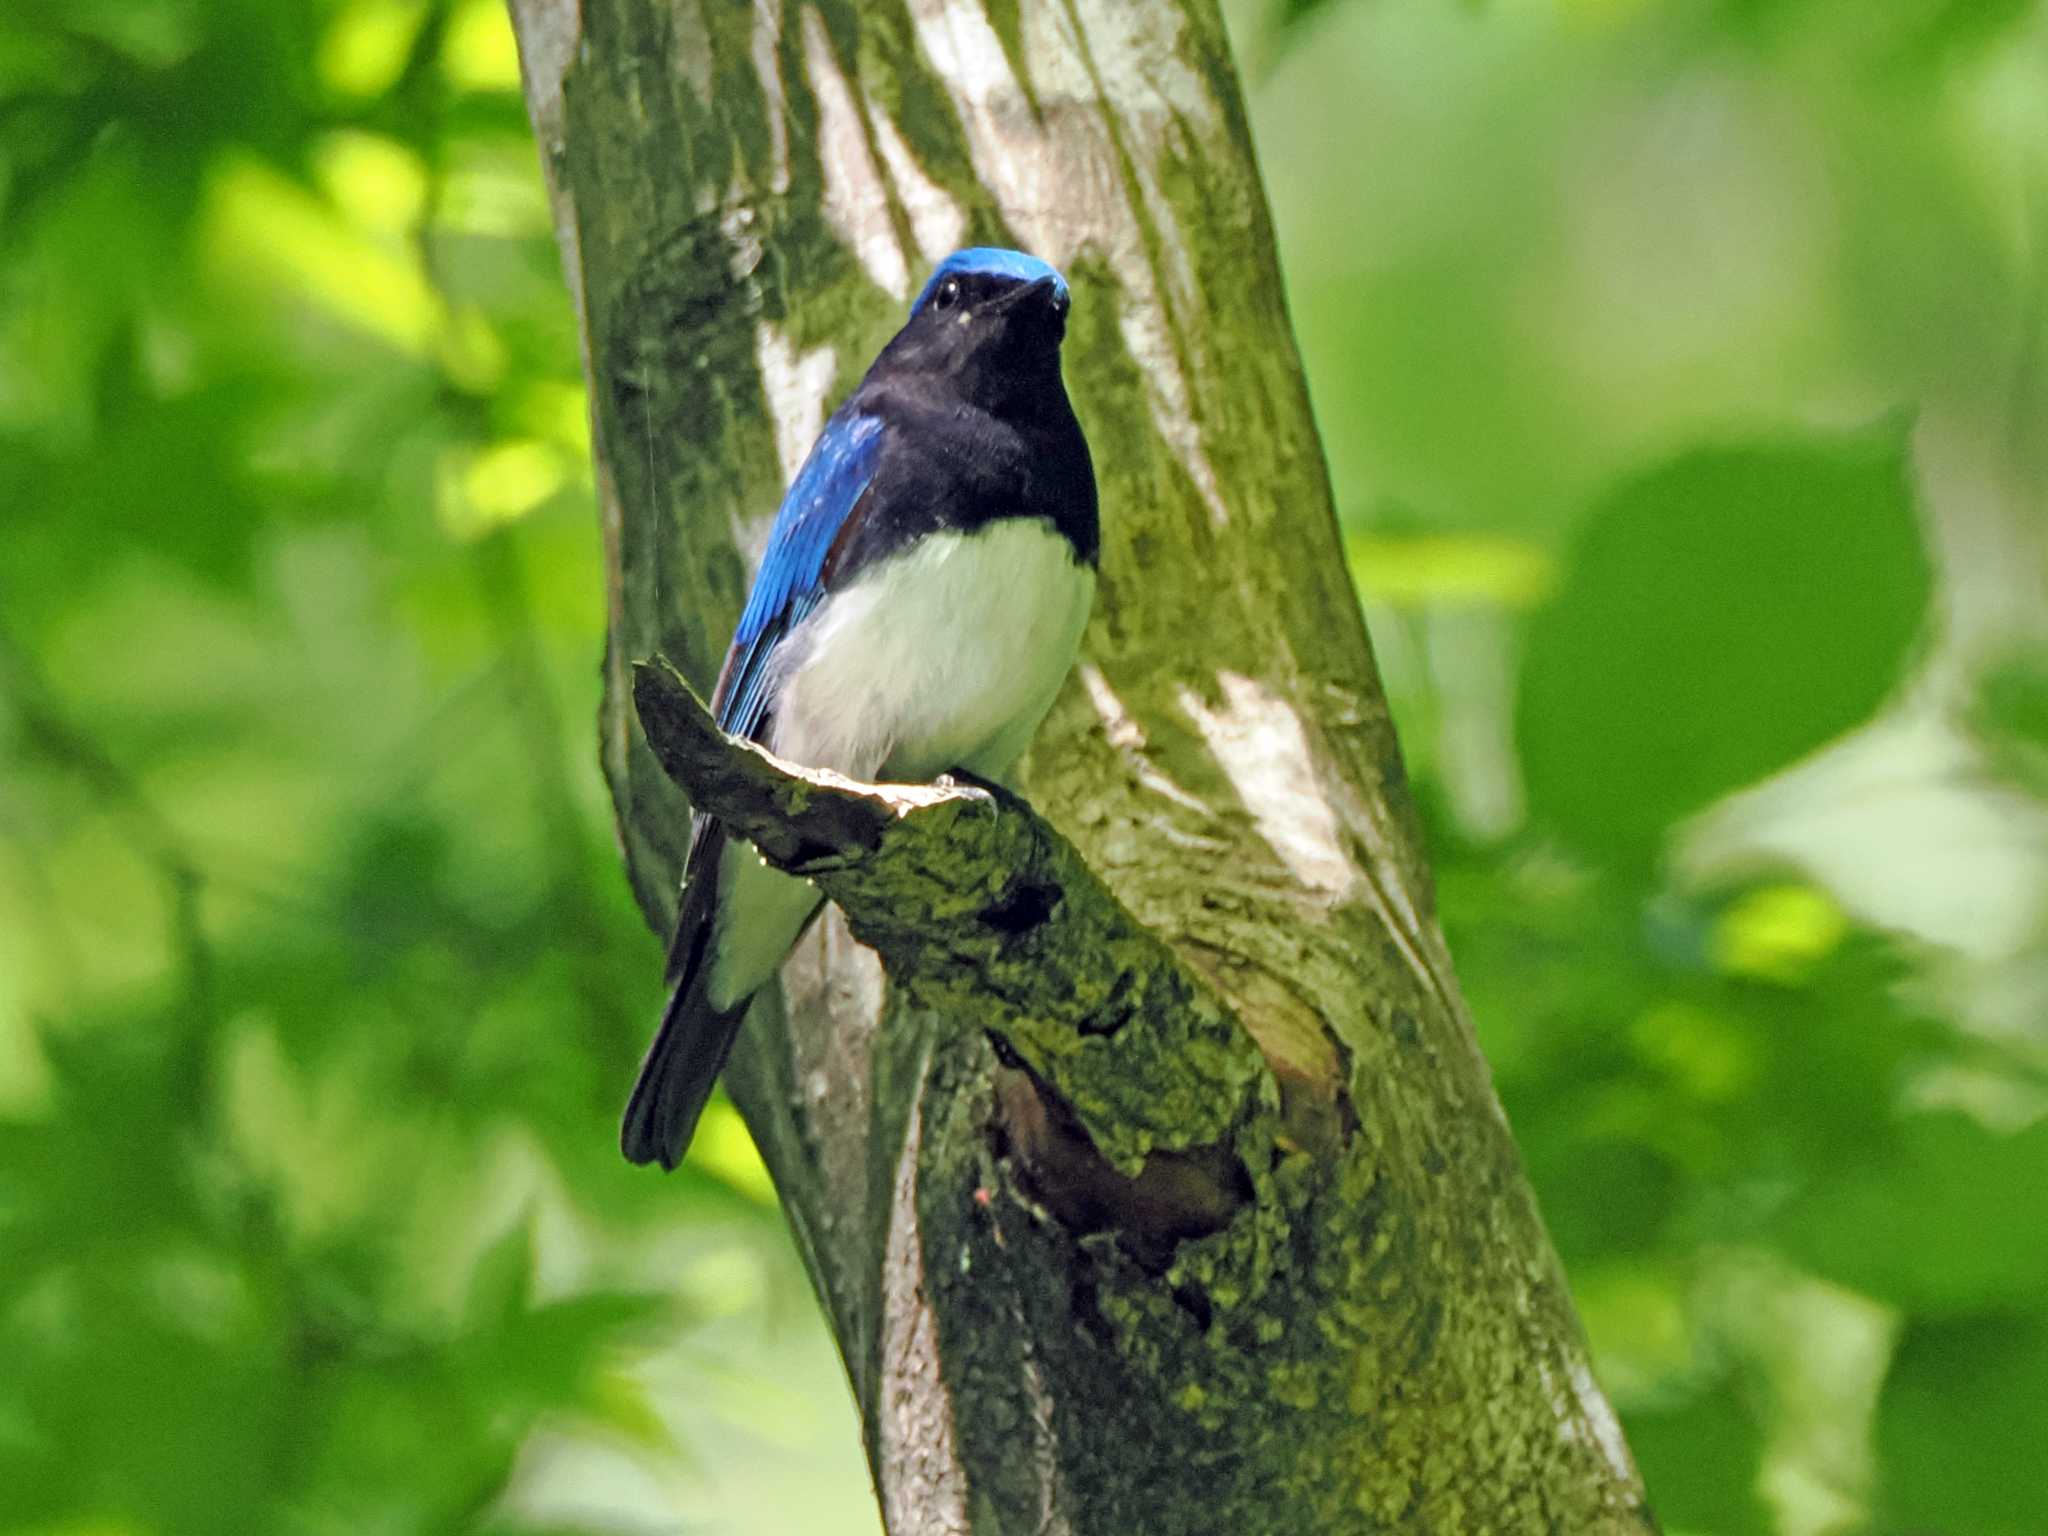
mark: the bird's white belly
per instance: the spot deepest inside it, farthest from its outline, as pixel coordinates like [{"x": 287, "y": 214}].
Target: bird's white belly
[{"x": 945, "y": 656}]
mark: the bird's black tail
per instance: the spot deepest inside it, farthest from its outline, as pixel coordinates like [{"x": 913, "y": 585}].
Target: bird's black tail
[
  {"x": 696, "y": 1036},
  {"x": 676, "y": 1079}
]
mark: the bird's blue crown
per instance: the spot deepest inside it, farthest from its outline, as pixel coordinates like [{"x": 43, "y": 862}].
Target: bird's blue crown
[{"x": 990, "y": 261}]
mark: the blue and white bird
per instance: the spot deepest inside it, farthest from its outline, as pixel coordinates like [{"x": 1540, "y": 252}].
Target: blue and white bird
[{"x": 918, "y": 605}]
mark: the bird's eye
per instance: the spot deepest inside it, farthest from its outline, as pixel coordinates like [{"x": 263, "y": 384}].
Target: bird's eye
[{"x": 948, "y": 294}]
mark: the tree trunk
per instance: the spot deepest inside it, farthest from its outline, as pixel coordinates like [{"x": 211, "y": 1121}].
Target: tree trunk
[{"x": 1209, "y": 1288}]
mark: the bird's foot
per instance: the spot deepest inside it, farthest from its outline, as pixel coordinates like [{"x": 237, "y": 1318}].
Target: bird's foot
[{"x": 963, "y": 778}]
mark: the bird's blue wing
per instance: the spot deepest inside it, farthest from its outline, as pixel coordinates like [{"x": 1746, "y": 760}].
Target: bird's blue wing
[
  {"x": 825, "y": 496},
  {"x": 697, "y": 1031}
]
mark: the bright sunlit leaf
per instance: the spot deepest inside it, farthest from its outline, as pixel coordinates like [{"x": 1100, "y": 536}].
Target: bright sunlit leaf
[
  {"x": 479, "y": 53},
  {"x": 498, "y": 485},
  {"x": 365, "y": 49},
  {"x": 264, "y": 230},
  {"x": 1445, "y": 569},
  {"x": 558, "y": 411},
  {"x": 377, "y": 182},
  {"x": 1779, "y": 932},
  {"x": 724, "y": 1147}
]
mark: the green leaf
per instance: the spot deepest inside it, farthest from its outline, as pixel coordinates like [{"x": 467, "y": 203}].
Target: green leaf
[
  {"x": 1957, "y": 1221},
  {"x": 1721, "y": 617},
  {"x": 1961, "y": 1425},
  {"x": 1700, "y": 1462}
]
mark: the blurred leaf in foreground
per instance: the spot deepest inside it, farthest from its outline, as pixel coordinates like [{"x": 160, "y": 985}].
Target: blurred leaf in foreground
[
  {"x": 1700, "y": 1459},
  {"x": 1960, "y": 1427},
  {"x": 1721, "y": 616},
  {"x": 1956, "y": 1220}
]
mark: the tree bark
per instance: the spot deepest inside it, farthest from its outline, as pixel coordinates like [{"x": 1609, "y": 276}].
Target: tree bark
[{"x": 1244, "y": 1246}]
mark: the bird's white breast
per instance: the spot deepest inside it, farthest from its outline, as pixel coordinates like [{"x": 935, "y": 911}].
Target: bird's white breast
[{"x": 946, "y": 655}]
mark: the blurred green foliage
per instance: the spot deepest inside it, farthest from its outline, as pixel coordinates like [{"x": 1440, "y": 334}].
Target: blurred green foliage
[
  {"x": 319, "y": 984},
  {"x": 1720, "y": 617},
  {"x": 1679, "y": 367}
]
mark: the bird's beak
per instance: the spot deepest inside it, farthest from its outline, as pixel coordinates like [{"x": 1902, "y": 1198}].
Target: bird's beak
[
  {"x": 1042, "y": 305},
  {"x": 1044, "y": 293}
]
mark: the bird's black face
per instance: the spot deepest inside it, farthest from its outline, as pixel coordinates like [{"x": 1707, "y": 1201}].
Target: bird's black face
[{"x": 991, "y": 333}]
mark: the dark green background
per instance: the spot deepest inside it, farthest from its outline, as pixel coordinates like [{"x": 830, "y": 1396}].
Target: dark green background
[{"x": 1680, "y": 369}]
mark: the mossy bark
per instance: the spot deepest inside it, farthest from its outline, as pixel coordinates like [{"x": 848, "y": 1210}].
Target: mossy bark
[{"x": 1163, "y": 1187}]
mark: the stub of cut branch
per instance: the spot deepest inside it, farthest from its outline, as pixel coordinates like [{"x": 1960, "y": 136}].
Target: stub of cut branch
[{"x": 985, "y": 915}]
